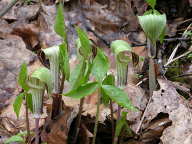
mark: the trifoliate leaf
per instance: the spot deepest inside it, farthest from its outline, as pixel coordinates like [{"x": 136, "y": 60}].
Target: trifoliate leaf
[
  {"x": 84, "y": 90},
  {"x": 100, "y": 66},
  {"x": 119, "y": 96}
]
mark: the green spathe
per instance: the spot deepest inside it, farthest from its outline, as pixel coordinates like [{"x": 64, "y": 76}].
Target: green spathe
[
  {"x": 52, "y": 53},
  {"x": 153, "y": 25},
  {"x": 121, "y": 48}
]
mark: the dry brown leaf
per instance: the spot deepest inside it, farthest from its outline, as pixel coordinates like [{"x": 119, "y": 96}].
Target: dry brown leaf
[{"x": 167, "y": 100}]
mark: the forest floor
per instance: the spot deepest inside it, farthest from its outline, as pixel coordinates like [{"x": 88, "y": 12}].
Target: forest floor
[{"x": 28, "y": 26}]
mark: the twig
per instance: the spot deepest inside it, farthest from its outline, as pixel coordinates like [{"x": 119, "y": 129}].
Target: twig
[
  {"x": 177, "y": 39},
  {"x": 7, "y": 8},
  {"x": 142, "y": 119},
  {"x": 176, "y": 48},
  {"x": 171, "y": 61}
]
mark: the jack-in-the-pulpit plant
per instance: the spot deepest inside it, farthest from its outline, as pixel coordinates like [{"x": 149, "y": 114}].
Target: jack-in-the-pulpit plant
[
  {"x": 154, "y": 27},
  {"x": 38, "y": 81},
  {"x": 123, "y": 55}
]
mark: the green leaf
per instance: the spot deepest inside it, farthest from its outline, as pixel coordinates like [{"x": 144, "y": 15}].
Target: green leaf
[
  {"x": 44, "y": 75},
  {"x": 119, "y": 96},
  {"x": 64, "y": 60},
  {"x": 120, "y": 124},
  {"x": 152, "y": 3},
  {"x": 100, "y": 66},
  {"x": 29, "y": 102},
  {"x": 60, "y": 23},
  {"x": 14, "y": 138},
  {"x": 17, "y": 103},
  {"x": 85, "y": 45},
  {"x": 23, "y": 77},
  {"x": 84, "y": 90},
  {"x": 122, "y": 51},
  {"x": 153, "y": 25},
  {"x": 109, "y": 80},
  {"x": 77, "y": 75}
]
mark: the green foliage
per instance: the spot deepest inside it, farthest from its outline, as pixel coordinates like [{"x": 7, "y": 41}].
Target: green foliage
[
  {"x": 15, "y": 138},
  {"x": 84, "y": 90},
  {"x": 109, "y": 80},
  {"x": 29, "y": 101},
  {"x": 78, "y": 75},
  {"x": 120, "y": 124},
  {"x": 64, "y": 60},
  {"x": 152, "y": 3},
  {"x": 22, "y": 77},
  {"x": 153, "y": 25},
  {"x": 85, "y": 45},
  {"x": 17, "y": 103},
  {"x": 60, "y": 23},
  {"x": 100, "y": 66},
  {"x": 119, "y": 96}
]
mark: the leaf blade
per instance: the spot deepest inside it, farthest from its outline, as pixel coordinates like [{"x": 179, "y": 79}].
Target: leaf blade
[
  {"x": 64, "y": 60},
  {"x": 85, "y": 48},
  {"x": 17, "y": 103},
  {"x": 84, "y": 90},
  {"x": 22, "y": 77},
  {"x": 119, "y": 96},
  {"x": 59, "y": 26},
  {"x": 100, "y": 66}
]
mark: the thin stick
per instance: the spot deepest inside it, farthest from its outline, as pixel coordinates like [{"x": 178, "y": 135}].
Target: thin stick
[
  {"x": 97, "y": 118},
  {"x": 171, "y": 61},
  {"x": 142, "y": 119}
]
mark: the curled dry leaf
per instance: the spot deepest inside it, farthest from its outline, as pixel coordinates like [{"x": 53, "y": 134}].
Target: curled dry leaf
[
  {"x": 56, "y": 131},
  {"x": 167, "y": 100}
]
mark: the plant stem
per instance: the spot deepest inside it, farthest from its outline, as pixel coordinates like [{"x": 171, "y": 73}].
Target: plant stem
[
  {"x": 76, "y": 131},
  {"x": 118, "y": 118},
  {"x": 97, "y": 117},
  {"x": 36, "y": 130},
  {"x": 27, "y": 122},
  {"x": 56, "y": 105},
  {"x": 112, "y": 120}
]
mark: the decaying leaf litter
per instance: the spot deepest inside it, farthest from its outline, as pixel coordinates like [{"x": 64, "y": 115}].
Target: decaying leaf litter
[{"x": 29, "y": 26}]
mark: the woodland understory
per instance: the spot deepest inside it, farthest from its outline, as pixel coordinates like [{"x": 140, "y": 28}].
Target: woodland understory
[{"x": 96, "y": 72}]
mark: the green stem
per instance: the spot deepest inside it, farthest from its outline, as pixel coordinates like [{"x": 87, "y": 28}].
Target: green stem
[
  {"x": 27, "y": 122},
  {"x": 36, "y": 130},
  {"x": 97, "y": 117},
  {"x": 112, "y": 121},
  {"x": 152, "y": 77},
  {"x": 76, "y": 131}
]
